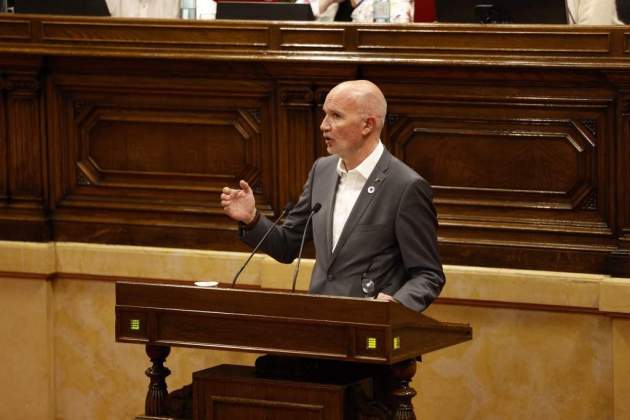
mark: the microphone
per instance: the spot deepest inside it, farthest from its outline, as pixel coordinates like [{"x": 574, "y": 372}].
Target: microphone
[
  {"x": 314, "y": 210},
  {"x": 285, "y": 210},
  {"x": 367, "y": 283}
]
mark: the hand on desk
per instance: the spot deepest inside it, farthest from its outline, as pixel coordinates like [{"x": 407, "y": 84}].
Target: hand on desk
[{"x": 383, "y": 297}]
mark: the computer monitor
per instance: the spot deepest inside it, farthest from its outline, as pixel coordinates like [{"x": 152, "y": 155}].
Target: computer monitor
[
  {"x": 501, "y": 11},
  {"x": 264, "y": 11},
  {"x": 63, "y": 7}
]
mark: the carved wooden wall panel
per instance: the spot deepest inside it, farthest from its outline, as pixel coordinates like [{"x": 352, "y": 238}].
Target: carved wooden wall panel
[
  {"x": 620, "y": 258},
  {"x": 117, "y": 132},
  {"x": 23, "y": 213},
  {"x": 295, "y": 124},
  {"x": 24, "y": 140},
  {"x": 518, "y": 162},
  {"x": 4, "y": 160},
  {"x": 155, "y": 152},
  {"x": 621, "y": 263}
]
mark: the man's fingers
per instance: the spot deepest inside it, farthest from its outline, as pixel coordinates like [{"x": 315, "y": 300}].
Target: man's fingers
[
  {"x": 245, "y": 187},
  {"x": 385, "y": 297},
  {"x": 231, "y": 197}
]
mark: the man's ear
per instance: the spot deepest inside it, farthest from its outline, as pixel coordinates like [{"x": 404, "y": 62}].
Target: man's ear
[{"x": 368, "y": 125}]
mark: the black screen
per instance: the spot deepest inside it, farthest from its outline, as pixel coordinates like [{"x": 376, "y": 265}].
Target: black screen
[
  {"x": 63, "y": 7},
  {"x": 264, "y": 11},
  {"x": 501, "y": 11}
]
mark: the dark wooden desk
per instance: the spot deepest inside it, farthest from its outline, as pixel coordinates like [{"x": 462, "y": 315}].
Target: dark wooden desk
[
  {"x": 290, "y": 324},
  {"x": 286, "y": 324},
  {"x": 123, "y": 131}
]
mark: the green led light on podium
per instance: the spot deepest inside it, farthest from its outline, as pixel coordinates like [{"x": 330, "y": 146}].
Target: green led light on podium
[
  {"x": 134, "y": 325},
  {"x": 396, "y": 343},
  {"x": 371, "y": 343}
]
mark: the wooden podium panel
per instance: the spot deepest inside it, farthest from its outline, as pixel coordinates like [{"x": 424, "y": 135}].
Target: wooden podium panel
[
  {"x": 230, "y": 392},
  {"x": 294, "y": 324},
  {"x": 340, "y": 329}
]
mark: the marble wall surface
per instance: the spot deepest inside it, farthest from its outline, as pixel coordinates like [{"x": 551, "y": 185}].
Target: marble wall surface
[
  {"x": 545, "y": 346},
  {"x": 26, "y": 383}
]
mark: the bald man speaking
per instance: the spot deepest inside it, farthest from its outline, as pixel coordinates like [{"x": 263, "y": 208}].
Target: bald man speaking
[{"x": 375, "y": 234}]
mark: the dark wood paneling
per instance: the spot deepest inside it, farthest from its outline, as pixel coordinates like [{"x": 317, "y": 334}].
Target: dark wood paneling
[
  {"x": 554, "y": 160},
  {"x": 519, "y": 161},
  {"x": 136, "y": 159},
  {"x": 24, "y": 172},
  {"x": 330, "y": 38},
  {"x": 12, "y": 29},
  {"x": 485, "y": 45},
  {"x": 165, "y": 34},
  {"x": 238, "y": 392},
  {"x": 24, "y": 136},
  {"x": 4, "y": 161},
  {"x": 295, "y": 127},
  {"x": 619, "y": 261},
  {"x": 623, "y": 169},
  {"x": 121, "y": 131},
  {"x": 483, "y": 41}
]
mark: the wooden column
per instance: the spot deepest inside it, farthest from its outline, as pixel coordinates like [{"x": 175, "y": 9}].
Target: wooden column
[
  {"x": 156, "y": 402},
  {"x": 400, "y": 393}
]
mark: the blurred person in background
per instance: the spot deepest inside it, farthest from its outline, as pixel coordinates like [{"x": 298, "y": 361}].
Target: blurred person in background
[{"x": 593, "y": 12}]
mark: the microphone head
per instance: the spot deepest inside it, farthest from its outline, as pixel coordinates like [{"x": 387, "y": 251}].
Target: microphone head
[{"x": 316, "y": 208}]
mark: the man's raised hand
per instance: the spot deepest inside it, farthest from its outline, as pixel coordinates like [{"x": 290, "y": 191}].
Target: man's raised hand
[{"x": 239, "y": 204}]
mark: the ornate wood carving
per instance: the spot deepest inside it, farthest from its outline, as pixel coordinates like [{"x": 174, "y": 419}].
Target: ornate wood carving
[
  {"x": 255, "y": 114},
  {"x": 82, "y": 178},
  {"x": 590, "y": 202},
  {"x": 591, "y": 125},
  {"x": 143, "y": 158}
]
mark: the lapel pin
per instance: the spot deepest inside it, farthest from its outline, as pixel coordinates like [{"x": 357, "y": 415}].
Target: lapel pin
[{"x": 371, "y": 189}]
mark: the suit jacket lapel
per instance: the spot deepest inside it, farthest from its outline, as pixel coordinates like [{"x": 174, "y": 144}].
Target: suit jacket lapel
[
  {"x": 329, "y": 217},
  {"x": 374, "y": 184},
  {"x": 328, "y": 202}
]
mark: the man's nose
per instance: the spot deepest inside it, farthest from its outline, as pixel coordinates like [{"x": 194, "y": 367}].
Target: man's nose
[{"x": 324, "y": 125}]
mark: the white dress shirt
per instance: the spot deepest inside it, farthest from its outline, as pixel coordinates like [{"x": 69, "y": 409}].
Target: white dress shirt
[
  {"x": 327, "y": 15},
  {"x": 350, "y": 185},
  {"x": 593, "y": 12}
]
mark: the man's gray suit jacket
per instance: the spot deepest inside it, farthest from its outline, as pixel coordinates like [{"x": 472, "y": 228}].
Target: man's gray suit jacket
[{"x": 389, "y": 237}]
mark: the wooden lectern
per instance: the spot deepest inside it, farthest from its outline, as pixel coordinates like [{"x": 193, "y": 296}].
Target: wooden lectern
[{"x": 337, "y": 331}]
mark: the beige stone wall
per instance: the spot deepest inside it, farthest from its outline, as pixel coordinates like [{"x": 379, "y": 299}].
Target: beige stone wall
[
  {"x": 546, "y": 345},
  {"x": 520, "y": 365},
  {"x": 26, "y": 382}
]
